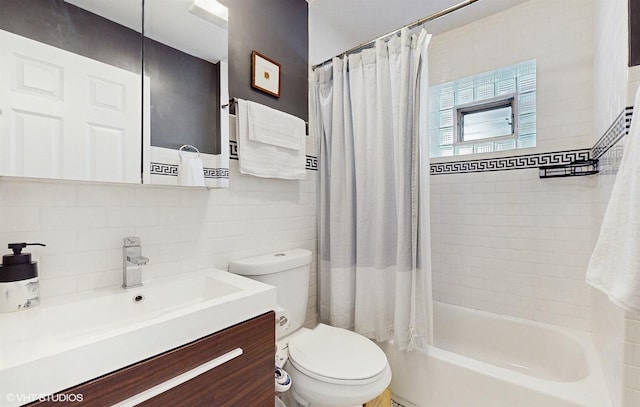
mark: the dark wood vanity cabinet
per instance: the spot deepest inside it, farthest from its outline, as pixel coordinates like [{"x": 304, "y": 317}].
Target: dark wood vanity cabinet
[{"x": 245, "y": 380}]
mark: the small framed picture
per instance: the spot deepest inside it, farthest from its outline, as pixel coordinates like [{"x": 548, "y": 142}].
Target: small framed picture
[{"x": 265, "y": 74}]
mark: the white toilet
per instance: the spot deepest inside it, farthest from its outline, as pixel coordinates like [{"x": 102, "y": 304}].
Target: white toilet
[{"x": 329, "y": 367}]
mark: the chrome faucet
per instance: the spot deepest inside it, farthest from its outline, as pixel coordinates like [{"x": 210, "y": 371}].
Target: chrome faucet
[{"x": 132, "y": 262}]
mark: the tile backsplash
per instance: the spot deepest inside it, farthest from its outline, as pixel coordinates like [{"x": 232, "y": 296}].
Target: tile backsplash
[{"x": 182, "y": 229}]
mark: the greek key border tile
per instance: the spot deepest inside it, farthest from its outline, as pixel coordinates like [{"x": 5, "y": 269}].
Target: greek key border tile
[
  {"x": 216, "y": 172},
  {"x": 171, "y": 170},
  {"x": 311, "y": 164},
  {"x": 516, "y": 162},
  {"x": 233, "y": 150},
  {"x": 618, "y": 129},
  {"x": 164, "y": 169}
]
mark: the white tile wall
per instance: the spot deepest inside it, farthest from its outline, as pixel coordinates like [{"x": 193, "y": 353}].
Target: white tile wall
[
  {"x": 615, "y": 332},
  {"x": 610, "y": 62},
  {"x": 181, "y": 229},
  {"x": 511, "y": 243},
  {"x": 507, "y": 241},
  {"x": 608, "y": 328},
  {"x": 632, "y": 360},
  {"x": 559, "y": 35}
]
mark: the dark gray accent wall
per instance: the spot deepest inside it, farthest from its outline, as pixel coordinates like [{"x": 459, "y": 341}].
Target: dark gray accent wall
[
  {"x": 634, "y": 32},
  {"x": 185, "y": 98},
  {"x": 73, "y": 29},
  {"x": 279, "y": 30}
]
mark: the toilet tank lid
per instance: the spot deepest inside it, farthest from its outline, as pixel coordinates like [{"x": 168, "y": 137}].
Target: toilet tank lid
[{"x": 271, "y": 263}]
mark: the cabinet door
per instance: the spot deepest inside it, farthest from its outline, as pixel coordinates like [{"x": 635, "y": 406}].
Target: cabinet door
[
  {"x": 245, "y": 380},
  {"x": 65, "y": 116}
]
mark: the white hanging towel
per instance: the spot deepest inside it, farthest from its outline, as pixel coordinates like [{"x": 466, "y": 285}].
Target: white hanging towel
[
  {"x": 190, "y": 168},
  {"x": 614, "y": 267},
  {"x": 270, "y": 143}
]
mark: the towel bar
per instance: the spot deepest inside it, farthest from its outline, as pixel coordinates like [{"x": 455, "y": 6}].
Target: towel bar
[{"x": 233, "y": 101}]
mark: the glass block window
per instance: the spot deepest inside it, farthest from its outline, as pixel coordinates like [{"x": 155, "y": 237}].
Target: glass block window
[{"x": 491, "y": 111}]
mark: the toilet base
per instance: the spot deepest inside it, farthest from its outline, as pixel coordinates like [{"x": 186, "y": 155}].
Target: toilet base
[
  {"x": 295, "y": 403},
  {"x": 309, "y": 392}
]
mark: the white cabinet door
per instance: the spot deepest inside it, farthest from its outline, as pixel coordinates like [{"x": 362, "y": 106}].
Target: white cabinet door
[{"x": 66, "y": 116}]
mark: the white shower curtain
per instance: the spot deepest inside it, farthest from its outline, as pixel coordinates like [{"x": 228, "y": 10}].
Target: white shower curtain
[{"x": 374, "y": 257}]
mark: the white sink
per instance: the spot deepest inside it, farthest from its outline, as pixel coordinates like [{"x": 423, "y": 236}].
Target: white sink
[{"x": 69, "y": 340}]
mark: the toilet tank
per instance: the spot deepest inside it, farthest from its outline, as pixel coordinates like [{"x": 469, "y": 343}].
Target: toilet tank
[{"x": 289, "y": 272}]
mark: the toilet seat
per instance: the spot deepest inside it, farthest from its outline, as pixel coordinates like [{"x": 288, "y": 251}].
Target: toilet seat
[{"x": 336, "y": 355}]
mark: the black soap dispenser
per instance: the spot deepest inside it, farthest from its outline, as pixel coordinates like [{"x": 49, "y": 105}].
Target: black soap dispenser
[{"x": 19, "y": 288}]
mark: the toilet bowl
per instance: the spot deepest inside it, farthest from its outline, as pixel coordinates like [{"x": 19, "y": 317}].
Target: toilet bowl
[
  {"x": 329, "y": 366},
  {"x": 333, "y": 367}
]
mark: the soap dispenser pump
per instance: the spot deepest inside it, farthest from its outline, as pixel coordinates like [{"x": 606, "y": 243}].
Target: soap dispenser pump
[{"x": 19, "y": 287}]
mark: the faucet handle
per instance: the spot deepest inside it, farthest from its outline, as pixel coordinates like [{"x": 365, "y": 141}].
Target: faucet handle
[
  {"x": 131, "y": 241},
  {"x": 138, "y": 260}
]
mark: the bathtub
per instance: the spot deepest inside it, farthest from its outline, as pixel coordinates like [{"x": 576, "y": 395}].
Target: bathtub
[{"x": 480, "y": 359}]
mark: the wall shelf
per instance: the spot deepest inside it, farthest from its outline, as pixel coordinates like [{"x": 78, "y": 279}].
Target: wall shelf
[{"x": 576, "y": 168}]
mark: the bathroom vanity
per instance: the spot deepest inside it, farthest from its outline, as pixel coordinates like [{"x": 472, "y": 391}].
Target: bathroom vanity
[
  {"x": 204, "y": 338},
  {"x": 244, "y": 380}
]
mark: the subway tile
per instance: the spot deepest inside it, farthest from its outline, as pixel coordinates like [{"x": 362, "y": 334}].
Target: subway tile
[
  {"x": 131, "y": 216},
  {"x": 309, "y": 234},
  {"x": 196, "y": 263},
  {"x": 159, "y": 270},
  {"x": 56, "y": 286},
  {"x": 19, "y": 219},
  {"x": 113, "y": 257},
  {"x": 178, "y": 216},
  {"x": 102, "y": 238},
  {"x": 175, "y": 252},
  {"x": 36, "y": 194},
  {"x": 218, "y": 212},
  {"x": 100, "y": 279},
  {"x": 631, "y": 397},
  {"x": 63, "y": 241},
  {"x": 153, "y": 196},
  {"x": 629, "y": 353},
  {"x": 633, "y": 330},
  {"x": 632, "y": 377},
  {"x": 58, "y": 265},
  {"x": 106, "y": 195},
  {"x": 194, "y": 198},
  {"x": 71, "y": 218},
  {"x": 582, "y": 324}
]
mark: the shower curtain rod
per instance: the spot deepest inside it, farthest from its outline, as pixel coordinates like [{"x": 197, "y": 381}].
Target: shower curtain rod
[{"x": 412, "y": 25}]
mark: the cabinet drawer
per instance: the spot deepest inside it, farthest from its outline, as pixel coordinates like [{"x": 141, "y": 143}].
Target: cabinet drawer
[{"x": 246, "y": 380}]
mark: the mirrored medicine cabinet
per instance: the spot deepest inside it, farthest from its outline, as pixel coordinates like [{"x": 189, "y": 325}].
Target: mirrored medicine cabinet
[{"x": 84, "y": 95}]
